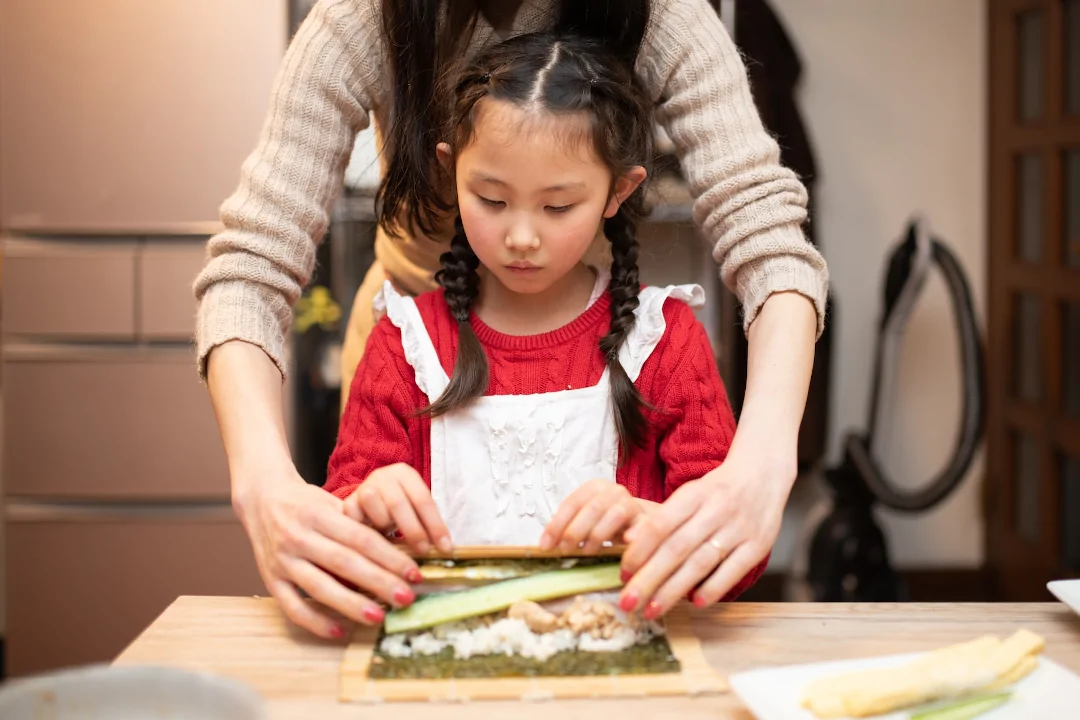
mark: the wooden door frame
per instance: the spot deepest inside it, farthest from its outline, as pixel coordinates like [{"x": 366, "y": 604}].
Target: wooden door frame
[{"x": 1022, "y": 568}]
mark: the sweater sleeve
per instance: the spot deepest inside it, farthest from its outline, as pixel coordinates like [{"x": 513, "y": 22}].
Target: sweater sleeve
[
  {"x": 698, "y": 423},
  {"x": 257, "y": 267},
  {"x": 379, "y": 426},
  {"x": 749, "y": 207}
]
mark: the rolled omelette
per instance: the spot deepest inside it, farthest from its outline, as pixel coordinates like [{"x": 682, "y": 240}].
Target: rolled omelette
[{"x": 986, "y": 663}]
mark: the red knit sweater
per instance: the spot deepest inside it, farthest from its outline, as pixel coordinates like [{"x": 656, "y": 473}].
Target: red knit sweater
[{"x": 690, "y": 429}]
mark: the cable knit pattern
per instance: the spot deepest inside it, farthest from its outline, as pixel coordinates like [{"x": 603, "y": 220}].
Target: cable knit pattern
[
  {"x": 335, "y": 72},
  {"x": 690, "y": 430}
]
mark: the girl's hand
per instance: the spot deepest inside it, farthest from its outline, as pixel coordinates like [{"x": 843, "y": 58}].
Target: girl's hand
[
  {"x": 711, "y": 532},
  {"x": 304, "y": 542},
  {"x": 395, "y": 498},
  {"x": 595, "y": 513}
]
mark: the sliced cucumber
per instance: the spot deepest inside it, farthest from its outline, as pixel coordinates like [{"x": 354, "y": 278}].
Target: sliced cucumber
[
  {"x": 965, "y": 709},
  {"x": 434, "y": 610}
]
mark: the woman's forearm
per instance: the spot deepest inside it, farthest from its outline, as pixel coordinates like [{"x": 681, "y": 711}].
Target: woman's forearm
[
  {"x": 245, "y": 388},
  {"x": 781, "y": 357}
]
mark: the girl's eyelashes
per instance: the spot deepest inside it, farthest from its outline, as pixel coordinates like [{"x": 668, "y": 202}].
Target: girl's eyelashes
[{"x": 557, "y": 209}]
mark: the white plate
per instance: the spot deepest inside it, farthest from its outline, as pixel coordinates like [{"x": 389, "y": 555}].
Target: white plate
[
  {"x": 1067, "y": 591},
  {"x": 1050, "y": 691}
]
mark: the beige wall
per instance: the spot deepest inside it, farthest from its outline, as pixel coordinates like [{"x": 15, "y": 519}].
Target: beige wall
[{"x": 894, "y": 95}]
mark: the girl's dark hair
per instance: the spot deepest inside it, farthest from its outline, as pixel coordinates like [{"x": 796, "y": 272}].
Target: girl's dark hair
[
  {"x": 557, "y": 76},
  {"x": 423, "y": 39}
]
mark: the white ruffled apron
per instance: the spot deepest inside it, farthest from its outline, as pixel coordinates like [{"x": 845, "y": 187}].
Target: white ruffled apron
[{"x": 501, "y": 466}]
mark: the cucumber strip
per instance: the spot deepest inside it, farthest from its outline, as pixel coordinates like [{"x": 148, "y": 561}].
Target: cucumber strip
[
  {"x": 964, "y": 709},
  {"x": 437, "y": 609}
]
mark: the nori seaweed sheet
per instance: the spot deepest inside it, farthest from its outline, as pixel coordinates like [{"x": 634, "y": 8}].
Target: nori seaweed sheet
[{"x": 650, "y": 658}]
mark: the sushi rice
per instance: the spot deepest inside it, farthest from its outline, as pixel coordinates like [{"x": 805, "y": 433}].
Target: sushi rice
[{"x": 510, "y": 636}]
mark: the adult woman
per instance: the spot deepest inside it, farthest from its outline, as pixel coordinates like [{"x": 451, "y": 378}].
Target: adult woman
[{"x": 355, "y": 56}]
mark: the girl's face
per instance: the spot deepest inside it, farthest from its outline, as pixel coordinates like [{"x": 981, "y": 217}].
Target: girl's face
[{"x": 532, "y": 195}]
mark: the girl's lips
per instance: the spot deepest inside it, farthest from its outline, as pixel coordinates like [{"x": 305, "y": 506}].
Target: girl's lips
[{"x": 522, "y": 269}]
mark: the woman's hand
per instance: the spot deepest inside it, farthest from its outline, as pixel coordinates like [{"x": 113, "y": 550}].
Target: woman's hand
[
  {"x": 713, "y": 531},
  {"x": 300, "y": 536},
  {"x": 303, "y": 540},
  {"x": 395, "y": 497},
  {"x": 708, "y": 535},
  {"x": 595, "y": 513}
]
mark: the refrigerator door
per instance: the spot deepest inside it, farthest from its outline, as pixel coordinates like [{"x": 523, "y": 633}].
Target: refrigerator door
[{"x": 130, "y": 116}]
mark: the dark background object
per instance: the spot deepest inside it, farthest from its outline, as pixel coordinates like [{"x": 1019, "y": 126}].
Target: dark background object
[{"x": 849, "y": 557}]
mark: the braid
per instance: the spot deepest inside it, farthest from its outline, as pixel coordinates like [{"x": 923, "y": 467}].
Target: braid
[
  {"x": 626, "y": 401},
  {"x": 461, "y": 285},
  {"x": 458, "y": 276}
]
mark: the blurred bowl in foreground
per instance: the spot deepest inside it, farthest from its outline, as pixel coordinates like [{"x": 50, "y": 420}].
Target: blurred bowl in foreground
[{"x": 105, "y": 692}]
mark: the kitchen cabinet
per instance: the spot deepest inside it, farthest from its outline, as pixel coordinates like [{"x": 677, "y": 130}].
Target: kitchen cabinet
[
  {"x": 167, "y": 269},
  {"x": 109, "y": 423},
  {"x": 123, "y": 126},
  {"x": 69, "y": 289},
  {"x": 84, "y": 582}
]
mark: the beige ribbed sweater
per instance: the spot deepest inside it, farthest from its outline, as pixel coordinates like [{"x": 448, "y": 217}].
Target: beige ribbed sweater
[{"x": 748, "y": 207}]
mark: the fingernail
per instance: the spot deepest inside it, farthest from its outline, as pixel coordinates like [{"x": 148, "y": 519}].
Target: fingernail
[
  {"x": 624, "y": 576},
  {"x": 652, "y": 610},
  {"x": 403, "y": 597},
  {"x": 699, "y": 601},
  {"x": 629, "y": 535},
  {"x": 445, "y": 544},
  {"x": 374, "y": 614},
  {"x": 337, "y": 632},
  {"x": 628, "y": 602},
  {"x": 545, "y": 542},
  {"x": 414, "y": 576}
]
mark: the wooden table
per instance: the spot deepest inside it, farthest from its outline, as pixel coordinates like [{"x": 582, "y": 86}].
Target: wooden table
[{"x": 248, "y": 639}]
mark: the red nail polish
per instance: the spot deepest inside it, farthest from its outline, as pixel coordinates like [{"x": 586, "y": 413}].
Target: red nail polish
[
  {"x": 699, "y": 602},
  {"x": 337, "y": 632},
  {"x": 374, "y": 615},
  {"x": 414, "y": 576},
  {"x": 652, "y": 610},
  {"x": 628, "y": 602},
  {"x": 404, "y": 596},
  {"x": 624, "y": 576}
]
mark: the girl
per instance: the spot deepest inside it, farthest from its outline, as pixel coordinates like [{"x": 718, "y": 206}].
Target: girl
[
  {"x": 542, "y": 401},
  {"x": 358, "y": 61}
]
